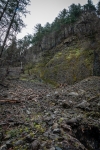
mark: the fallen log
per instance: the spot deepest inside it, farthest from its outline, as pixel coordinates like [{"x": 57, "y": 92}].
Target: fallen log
[{"x": 9, "y": 101}]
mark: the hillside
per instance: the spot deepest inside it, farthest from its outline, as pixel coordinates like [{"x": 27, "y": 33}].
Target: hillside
[{"x": 74, "y": 58}]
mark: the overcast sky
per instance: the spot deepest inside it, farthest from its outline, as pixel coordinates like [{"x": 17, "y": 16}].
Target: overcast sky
[{"x": 43, "y": 11}]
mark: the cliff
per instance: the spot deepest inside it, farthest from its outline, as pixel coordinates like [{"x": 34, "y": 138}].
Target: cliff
[{"x": 71, "y": 56}]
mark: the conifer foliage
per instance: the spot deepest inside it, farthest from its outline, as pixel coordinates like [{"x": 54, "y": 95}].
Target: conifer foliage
[{"x": 11, "y": 22}]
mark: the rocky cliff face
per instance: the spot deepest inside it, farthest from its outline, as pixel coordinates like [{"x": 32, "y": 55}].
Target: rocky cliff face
[{"x": 70, "y": 56}]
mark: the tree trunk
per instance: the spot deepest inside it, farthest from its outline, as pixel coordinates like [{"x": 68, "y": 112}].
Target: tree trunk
[
  {"x": 7, "y": 34},
  {"x": 4, "y": 10}
]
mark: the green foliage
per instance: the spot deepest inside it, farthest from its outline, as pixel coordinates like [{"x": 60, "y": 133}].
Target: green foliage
[
  {"x": 13, "y": 132},
  {"x": 11, "y": 19},
  {"x": 89, "y": 6},
  {"x": 98, "y": 8},
  {"x": 65, "y": 18},
  {"x": 39, "y": 128},
  {"x": 93, "y": 114},
  {"x": 74, "y": 11}
]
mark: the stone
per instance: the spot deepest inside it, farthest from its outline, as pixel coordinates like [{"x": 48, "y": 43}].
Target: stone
[
  {"x": 73, "y": 94},
  {"x": 83, "y": 105},
  {"x": 3, "y": 147},
  {"x": 1, "y": 136},
  {"x": 19, "y": 142},
  {"x": 81, "y": 92},
  {"x": 66, "y": 127},
  {"x": 55, "y": 125},
  {"x": 29, "y": 138},
  {"x": 52, "y": 148},
  {"x": 56, "y": 94},
  {"x": 8, "y": 136},
  {"x": 28, "y": 112},
  {"x": 48, "y": 95},
  {"x": 72, "y": 121},
  {"x": 53, "y": 137},
  {"x": 50, "y": 123},
  {"x": 66, "y": 105},
  {"x": 55, "y": 131},
  {"x": 46, "y": 134},
  {"x": 58, "y": 148},
  {"x": 35, "y": 145},
  {"x": 9, "y": 144}
]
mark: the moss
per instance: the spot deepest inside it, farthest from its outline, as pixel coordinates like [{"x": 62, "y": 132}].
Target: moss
[
  {"x": 93, "y": 114},
  {"x": 60, "y": 120},
  {"x": 13, "y": 132},
  {"x": 69, "y": 65},
  {"x": 39, "y": 128},
  {"x": 51, "y": 82},
  {"x": 23, "y": 79}
]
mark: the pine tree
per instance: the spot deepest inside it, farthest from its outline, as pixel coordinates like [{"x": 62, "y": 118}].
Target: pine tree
[{"x": 11, "y": 21}]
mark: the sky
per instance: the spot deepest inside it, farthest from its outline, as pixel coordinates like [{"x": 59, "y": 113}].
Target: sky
[{"x": 43, "y": 11}]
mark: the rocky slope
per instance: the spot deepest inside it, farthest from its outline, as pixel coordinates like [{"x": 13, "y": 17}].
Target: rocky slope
[
  {"x": 70, "y": 56},
  {"x": 35, "y": 116},
  {"x": 67, "y": 64}
]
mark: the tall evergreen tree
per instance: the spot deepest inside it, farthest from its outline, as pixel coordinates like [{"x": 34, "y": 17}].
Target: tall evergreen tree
[
  {"x": 89, "y": 6},
  {"x": 11, "y": 18},
  {"x": 98, "y": 8}
]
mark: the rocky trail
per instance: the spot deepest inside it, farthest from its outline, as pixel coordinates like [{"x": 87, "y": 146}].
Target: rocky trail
[{"x": 36, "y": 116}]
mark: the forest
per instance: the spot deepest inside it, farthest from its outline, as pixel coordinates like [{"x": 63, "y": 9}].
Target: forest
[{"x": 45, "y": 37}]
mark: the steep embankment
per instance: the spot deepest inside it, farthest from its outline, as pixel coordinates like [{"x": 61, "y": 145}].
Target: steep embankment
[
  {"x": 68, "y": 62},
  {"x": 71, "y": 64},
  {"x": 72, "y": 58}
]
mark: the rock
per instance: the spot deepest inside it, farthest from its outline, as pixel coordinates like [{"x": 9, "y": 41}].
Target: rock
[
  {"x": 56, "y": 94},
  {"x": 66, "y": 105},
  {"x": 73, "y": 94},
  {"x": 72, "y": 121},
  {"x": 52, "y": 148},
  {"x": 28, "y": 112},
  {"x": 66, "y": 127},
  {"x": 58, "y": 148},
  {"x": 55, "y": 131},
  {"x": 19, "y": 142},
  {"x": 83, "y": 105},
  {"x": 53, "y": 137},
  {"x": 1, "y": 136},
  {"x": 3, "y": 147},
  {"x": 48, "y": 95},
  {"x": 53, "y": 116},
  {"x": 35, "y": 145},
  {"x": 55, "y": 125},
  {"x": 11, "y": 120},
  {"x": 29, "y": 138},
  {"x": 9, "y": 144},
  {"x": 98, "y": 105},
  {"x": 46, "y": 134},
  {"x": 81, "y": 92},
  {"x": 50, "y": 123},
  {"x": 49, "y": 120},
  {"x": 56, "y": 112},
  {"x": 8, "y": 136}
]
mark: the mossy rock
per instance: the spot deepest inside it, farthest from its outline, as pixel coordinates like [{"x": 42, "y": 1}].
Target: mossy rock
[
  {"x": 69, "y": 67},
  {"x": 93, "y": 114}
]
